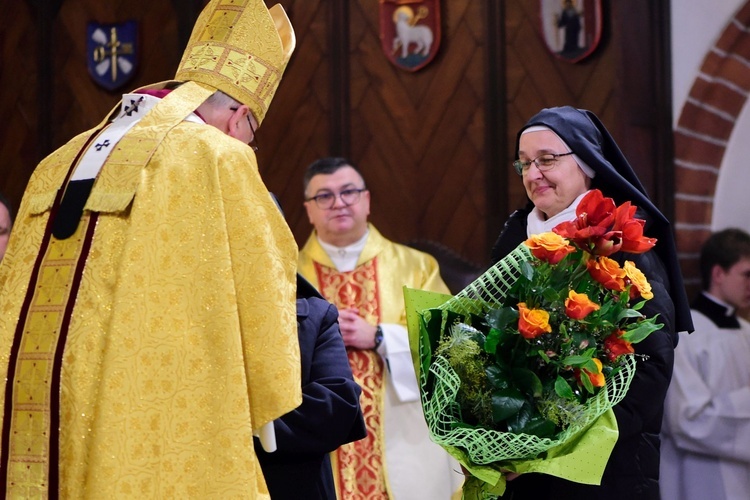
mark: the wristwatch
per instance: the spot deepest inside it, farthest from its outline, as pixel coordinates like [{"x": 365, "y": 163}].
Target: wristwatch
[{"x": 378, "y": 337}]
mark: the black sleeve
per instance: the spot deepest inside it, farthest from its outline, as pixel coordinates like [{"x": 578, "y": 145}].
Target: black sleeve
[
  {"x": 513, "y": 233},
  {"x": 642, "y": 407},
  {"x": 329, "y": 415}
]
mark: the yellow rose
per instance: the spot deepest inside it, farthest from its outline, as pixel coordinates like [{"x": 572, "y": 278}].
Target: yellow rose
[{"x": 639, "y": 284}]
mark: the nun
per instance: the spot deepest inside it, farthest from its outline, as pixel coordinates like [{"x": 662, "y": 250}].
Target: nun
[{"x": 563, "y": 153}]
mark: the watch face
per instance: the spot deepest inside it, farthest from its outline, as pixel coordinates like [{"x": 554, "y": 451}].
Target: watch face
[{"x": 378, "y": 336}]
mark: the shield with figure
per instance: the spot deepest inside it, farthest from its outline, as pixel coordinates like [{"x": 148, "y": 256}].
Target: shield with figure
[
  {"x": 571, "y": 29},
  {"x": 410, "y": 32},
  {"x": 111, "y": 53}
]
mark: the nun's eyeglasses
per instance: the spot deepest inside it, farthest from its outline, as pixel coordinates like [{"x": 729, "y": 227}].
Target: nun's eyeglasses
[{"x": 543, "y": 163}]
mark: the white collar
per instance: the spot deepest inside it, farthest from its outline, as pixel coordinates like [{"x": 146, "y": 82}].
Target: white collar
[
  {"x": 134, "y": 107},
  {"x": 345, "y": 258},
  {"x": 729, "y": 307},
  {"x": 536, "y": 223}
]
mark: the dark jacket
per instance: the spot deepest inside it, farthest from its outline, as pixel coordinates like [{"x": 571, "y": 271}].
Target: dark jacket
[
  {"x": 633, "y": 468},
  {"x": 328, "y": 417}
]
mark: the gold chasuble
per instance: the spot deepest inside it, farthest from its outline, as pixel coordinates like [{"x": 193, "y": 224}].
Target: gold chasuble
[
  {"x": 141, "y": 353},
  {"x": 374, "y": 288}
]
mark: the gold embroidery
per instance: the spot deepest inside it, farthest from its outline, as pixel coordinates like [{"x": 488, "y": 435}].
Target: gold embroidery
[
  {"x": 360, "y": 466},
  {"x": 30, "y": 426}
]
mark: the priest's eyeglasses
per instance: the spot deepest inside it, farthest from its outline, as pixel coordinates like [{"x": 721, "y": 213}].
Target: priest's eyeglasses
[
  {"x": 543, "y": 163},
  {"x": 327, "y": 199},
  {"x": 253, "y": 142}
]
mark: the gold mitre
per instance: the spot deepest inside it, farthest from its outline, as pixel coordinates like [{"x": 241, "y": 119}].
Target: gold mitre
[{"x": 241, "y": 48}]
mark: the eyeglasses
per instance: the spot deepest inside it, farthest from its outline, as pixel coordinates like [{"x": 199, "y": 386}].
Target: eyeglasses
[
  {"x": 543, "y": 162},
  {"x": 327, "y": 199},
  {"x": 254, "y": 141}
]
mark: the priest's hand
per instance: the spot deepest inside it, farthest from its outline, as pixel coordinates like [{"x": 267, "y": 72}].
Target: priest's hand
[{"x": 355, "y": 331}]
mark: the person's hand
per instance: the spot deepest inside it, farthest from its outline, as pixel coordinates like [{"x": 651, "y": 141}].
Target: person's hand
[
  {"x": 355, "y": 331},
  {"x": 510, "y": 476}
]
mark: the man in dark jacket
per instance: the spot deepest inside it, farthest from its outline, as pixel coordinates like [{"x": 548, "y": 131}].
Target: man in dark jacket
[{"x": 329, "y": 415}]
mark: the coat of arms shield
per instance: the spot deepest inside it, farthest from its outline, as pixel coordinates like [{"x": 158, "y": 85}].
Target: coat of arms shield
[
  {"x": 111, "y": 53},
  {"x": 571, "y": 29},
  {"x": 410, "y": 32}
]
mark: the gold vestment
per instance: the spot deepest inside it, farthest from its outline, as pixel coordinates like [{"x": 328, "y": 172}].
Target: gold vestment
[{"x": 180, "y": 340}]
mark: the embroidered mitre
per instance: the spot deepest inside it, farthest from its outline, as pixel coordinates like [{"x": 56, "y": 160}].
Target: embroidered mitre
[{"x": 241, "y": 48}]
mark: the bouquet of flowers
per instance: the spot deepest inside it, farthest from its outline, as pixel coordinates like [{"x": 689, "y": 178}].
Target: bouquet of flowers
[{"x": 520, "y": 370}]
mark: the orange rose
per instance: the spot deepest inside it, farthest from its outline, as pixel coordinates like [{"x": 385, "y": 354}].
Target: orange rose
[
  {"x": 597, "y": 378},
  {"x": 607, "y": 272},
  {"x": 549, "y": 247},
  {"x": 532, "y": 322},
  {"x": 615, "y": 346},
  {"x": 639, "y": 284},
  {"x": 578, "y": 305}
]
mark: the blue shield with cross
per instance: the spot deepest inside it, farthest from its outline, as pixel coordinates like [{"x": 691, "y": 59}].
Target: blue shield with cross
[{"x": 112, "y": 53}]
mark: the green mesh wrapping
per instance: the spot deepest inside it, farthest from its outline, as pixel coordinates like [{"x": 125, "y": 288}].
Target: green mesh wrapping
[
  {"x": 442, "y": 411},
  {"x": 489, "y": 290}
]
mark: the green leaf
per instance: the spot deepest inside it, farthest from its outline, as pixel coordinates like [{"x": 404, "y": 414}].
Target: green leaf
[
  {"x": 501, "y": 318},
  {"x": 628, "y": 313},
  {"x": 543, "y": 355},
  {"x": 576, "y": 361},
  {"x": 562, "y": 388},
  {"x": 529, "y": 421},
  {"x": 587, "y": 383},
  {"x": 539, "y": 426},
  {"x": 527, "y": 270},
  {"x": 497, "y": 377},
  {"x": 506, "y": 403},
  {"x": 527, "y": 381},
  {"x": 521, "y": 418},
  {"x": 639, "y": 305},
  {"x": 591, "y": 366},
  {"x": 492, "y": 340},
  {"x": 643, "y": 330},
  {"x": 550, "y": 295}
]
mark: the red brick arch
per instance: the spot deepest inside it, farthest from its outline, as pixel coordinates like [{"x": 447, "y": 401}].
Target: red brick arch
[{"x": 705, "y": 124}]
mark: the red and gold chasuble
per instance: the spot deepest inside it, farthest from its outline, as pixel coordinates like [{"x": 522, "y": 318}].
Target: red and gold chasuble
[{"x": 359, "y": 467}]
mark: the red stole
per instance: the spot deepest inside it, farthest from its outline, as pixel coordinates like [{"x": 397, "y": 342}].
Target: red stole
[{"x": 359, "y": 467}]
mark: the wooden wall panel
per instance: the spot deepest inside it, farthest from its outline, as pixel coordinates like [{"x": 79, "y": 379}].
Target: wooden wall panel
[
  {"x": 536, "y": 79},
  {"x": 18, "y": 77},
  {"x": 419, "y": 136},
  {"x": 435, "y": 145},
  {"x": 68, "y": 101},
  {"x": 77, "y": 98},
  {"x": 297, "y": 129}
]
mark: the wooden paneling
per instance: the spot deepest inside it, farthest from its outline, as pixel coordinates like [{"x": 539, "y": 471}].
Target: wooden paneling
[
  {"x": 435, "y": 145},
  {"x": 19, "y": 48},
  {"x": 42, "y": 113},
  {"x": 297, "y": 128},
  {"x": 536, "y": 79},
  {"x": 420, "y": 137}
]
